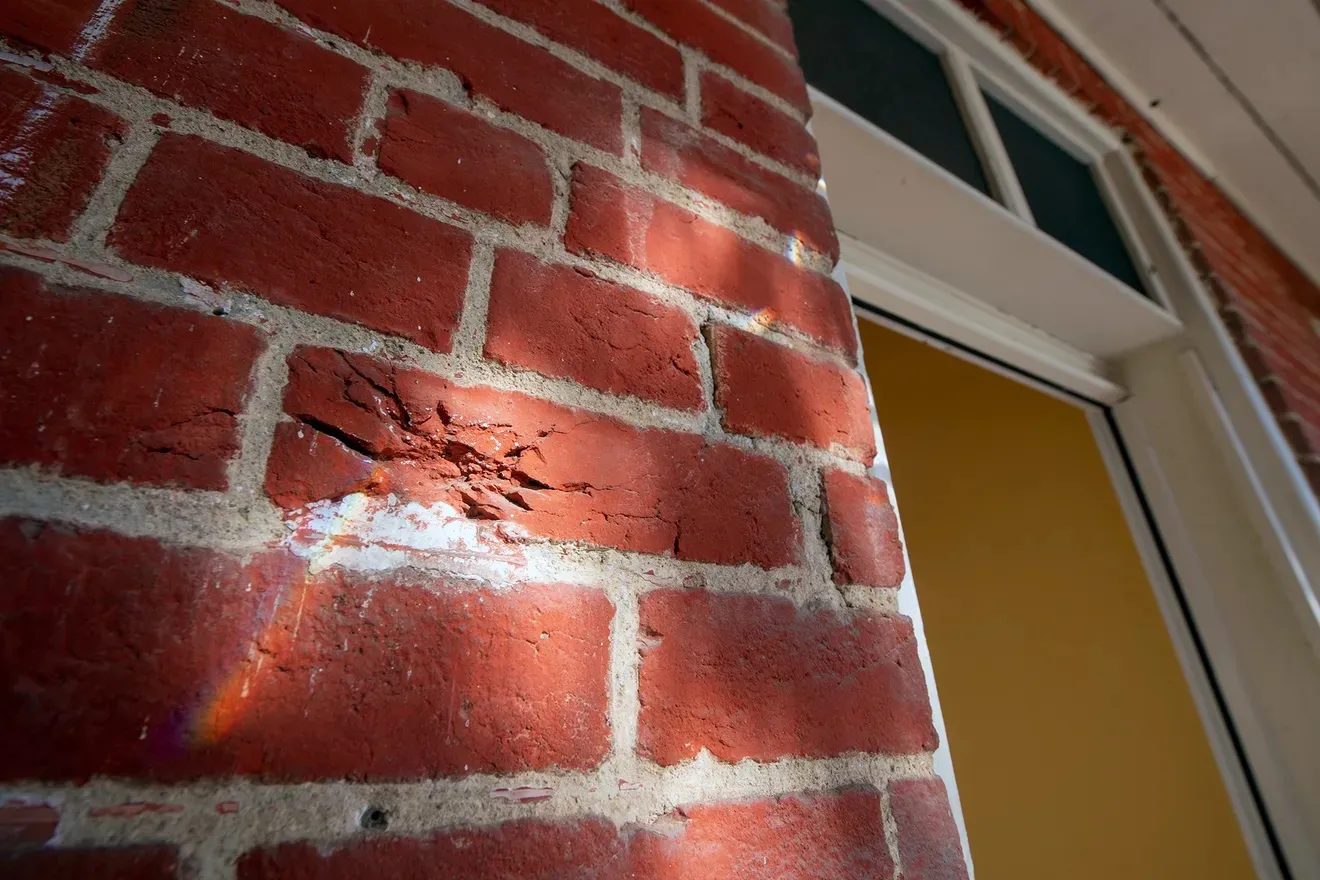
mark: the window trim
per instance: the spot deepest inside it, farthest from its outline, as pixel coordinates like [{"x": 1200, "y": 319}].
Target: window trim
[{"x": 973, "y": 63}]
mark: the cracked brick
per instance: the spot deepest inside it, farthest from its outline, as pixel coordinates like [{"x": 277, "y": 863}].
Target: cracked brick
[
  {"x": 168, "y": 415},
  {"x": 555, "y": 472}
]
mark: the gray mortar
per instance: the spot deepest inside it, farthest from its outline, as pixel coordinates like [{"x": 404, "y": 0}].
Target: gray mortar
[
  {"x": 328, "y": 813},
  {"x": 241, "y": 521}
]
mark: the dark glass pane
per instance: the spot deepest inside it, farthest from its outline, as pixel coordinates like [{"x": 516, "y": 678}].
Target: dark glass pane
[
  {"x": 1064, "y": 197},
  {"x": 854, "y": 55}
]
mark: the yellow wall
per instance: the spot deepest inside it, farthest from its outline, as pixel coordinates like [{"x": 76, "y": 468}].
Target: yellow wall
[{"x": 1077, "y": 748}]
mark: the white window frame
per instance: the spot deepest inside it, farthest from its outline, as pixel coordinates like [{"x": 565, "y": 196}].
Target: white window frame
[{"x": 1227, "y": 525}]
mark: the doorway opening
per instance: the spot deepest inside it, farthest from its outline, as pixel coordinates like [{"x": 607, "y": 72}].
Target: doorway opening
[{"x": 1076, "y": 741}]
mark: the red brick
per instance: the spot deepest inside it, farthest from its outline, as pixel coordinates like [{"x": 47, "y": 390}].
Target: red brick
[
  {"x": 132, "y": 659},
  {"x": 693, "y": 23},
  {"x": 794, "y": 837},
  {"x": 633, "y": 227},
  {"x": 49, "y": 25},
  {"x": 682, "y": 153},
  {"x": 770, "y": 390},
  {"x": 745, "y": 118},
  {"x": 863, "y": 531},
  {"x": 928, "y": 843},
  {"x": 754, "y": 677},
  {"x": 562, "y": 322},
  {"x": 559, "y": 473},
  {"x": 765, "y": 17},
  {"x": 74, "y": 403},
  {"x": 240, "y": 68},
  {"x": 458, "y": 156},
  {"x": 53, "y": 151},
  {"x": 25, "y": 824},
  {"x": 233, "y": 219},
  {"x": 589, "y": 848},
  {"x": 595, "y": 30},
  {"x": 491, "y": 63},
  {"x": 129, "y": 863}
]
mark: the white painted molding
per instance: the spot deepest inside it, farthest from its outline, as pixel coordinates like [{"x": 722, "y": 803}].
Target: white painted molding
[{"x": 884, "y": 282}]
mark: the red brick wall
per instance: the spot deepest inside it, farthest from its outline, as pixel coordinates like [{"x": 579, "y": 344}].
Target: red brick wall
[
  {"x": 1265, "y": 301},
  {"x": 432, "y": 446}
]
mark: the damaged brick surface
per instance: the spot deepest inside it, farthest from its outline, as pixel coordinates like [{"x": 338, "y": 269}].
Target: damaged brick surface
[{"x": 371, "y": 427}]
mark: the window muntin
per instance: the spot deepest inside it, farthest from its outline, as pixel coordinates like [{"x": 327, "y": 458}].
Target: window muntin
[
  {"x": 1064, "y": 197},
  {"x": 852, "y": 53},
  {"x": 836, "y": 38}
]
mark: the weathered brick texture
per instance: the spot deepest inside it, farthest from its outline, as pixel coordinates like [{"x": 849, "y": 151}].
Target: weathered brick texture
[
  {"x": 560, "y": 321},
  {"x": 490, "y": 62},
  {"x": 769, "y": 390},
  {"x": 49, "y": 25},
  {"x": 758, "y": 678},
  {"x": 202, "y": 54},
  {"x": 453, "y": 154},
  {"x": 677, "y": 151},
  {"x": 74, "y": 403},
  {"x": 230, "y": 218},
  {"x": 731, "y": 111},
  {"x": 431, "y": 425},
  {"x": 634, "y": 227},
  {"x": 140, "y": 661},
  {"x": 557, "y": 472},
  {"x": 863, "y": 526},
  {"x": 927, "y": 835},
  {"x": 56, "y": 148}
]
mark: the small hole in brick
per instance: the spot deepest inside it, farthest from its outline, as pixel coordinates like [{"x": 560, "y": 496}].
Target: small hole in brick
[
  {"x": 219, "y": 310},
  {"x": 374, "y": 819}
]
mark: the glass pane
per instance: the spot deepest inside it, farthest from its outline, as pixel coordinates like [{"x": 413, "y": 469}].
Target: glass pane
[
  {"x": 1064, "y": 197},
  {"x": 854, "y": 55}
]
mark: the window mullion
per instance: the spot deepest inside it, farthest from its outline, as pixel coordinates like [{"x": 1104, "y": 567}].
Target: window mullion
[{"x": 985, "y": 136}]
